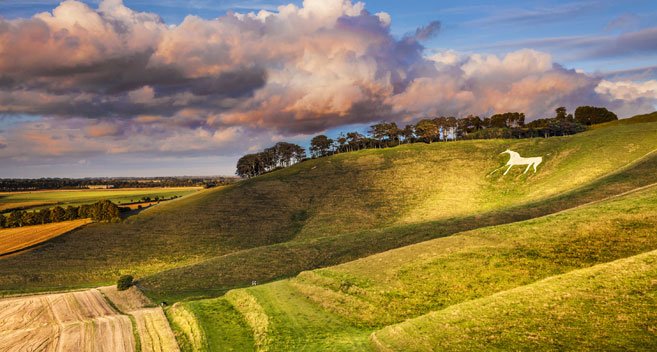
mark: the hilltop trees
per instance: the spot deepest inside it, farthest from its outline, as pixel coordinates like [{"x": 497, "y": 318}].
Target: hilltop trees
[
  {"x": 590, "y": 115},
  {"x": 320, "y": 146},
  {"x": 387, "y": 134},
  {"x": 281, "y": 155}
]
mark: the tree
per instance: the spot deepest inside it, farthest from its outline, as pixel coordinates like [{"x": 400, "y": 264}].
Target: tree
[
  {"x": 57, "y": 214},
  {"x": 124, "y": 282},
  {"x": 408, "y": 133},
  {"x": 3, "y": 221},
  {"x": 71, "y": 213},
  {"x": 426, "y": 129},
  {"x": 590, "y": 115},
  {"x": 247, "y": 166},
  {"x": 320, "y": 146}
]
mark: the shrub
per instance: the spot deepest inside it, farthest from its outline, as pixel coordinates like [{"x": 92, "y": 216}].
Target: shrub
[{"x": 124, "y": 282}]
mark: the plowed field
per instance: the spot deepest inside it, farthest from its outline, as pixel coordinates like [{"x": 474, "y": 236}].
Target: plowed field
[{"x": 77, "y": 321}]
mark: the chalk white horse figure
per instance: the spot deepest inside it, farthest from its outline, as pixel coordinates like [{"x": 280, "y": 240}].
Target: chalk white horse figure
[{"x": 516, "y": 159}]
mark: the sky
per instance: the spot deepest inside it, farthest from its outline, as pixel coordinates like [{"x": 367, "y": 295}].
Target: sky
[{"x": 186, "y": 87}]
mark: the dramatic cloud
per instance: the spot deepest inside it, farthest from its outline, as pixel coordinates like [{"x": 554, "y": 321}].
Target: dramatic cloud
[{"x": 113, "y": 80}]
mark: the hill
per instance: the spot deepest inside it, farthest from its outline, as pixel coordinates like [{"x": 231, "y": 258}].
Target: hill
[
  {"x": 606, "y": 307},
  {"x": 336, "y": 308},
  {"x": 440, "y": 187}
]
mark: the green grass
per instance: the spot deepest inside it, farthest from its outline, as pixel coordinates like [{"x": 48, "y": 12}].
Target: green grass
[
  {"x": 403, "y": 283},
  {"x": 327, "y": 211},
  {"x": 223, "y": 327},
  {"x": 79, "y": 197},
  {"x": 282, "y": 321},
  {"x": 607, "y": 307},
  {"x": 215, "y": 276}
]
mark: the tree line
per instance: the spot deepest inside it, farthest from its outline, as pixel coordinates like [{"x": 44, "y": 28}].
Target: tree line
[
  {"x": 281, "y": 155},
  {"x": 15, "y": 184},
  {"x": 103, "y": 210},
  {"x": 437, "y": 129}
]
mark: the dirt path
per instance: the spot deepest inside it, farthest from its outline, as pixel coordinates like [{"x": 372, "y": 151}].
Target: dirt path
[{"x": 76, "y": 321}]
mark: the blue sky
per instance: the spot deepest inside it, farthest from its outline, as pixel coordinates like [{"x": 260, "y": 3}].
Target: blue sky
[{"x": 142, "y": 98}]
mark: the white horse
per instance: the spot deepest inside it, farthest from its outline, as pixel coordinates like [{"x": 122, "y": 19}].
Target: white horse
[{"x": 516, "y": 159}]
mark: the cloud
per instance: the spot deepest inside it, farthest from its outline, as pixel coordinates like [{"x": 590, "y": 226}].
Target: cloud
[
  {"x": 111, "y": 80},
  {"x": 628, "y": 44}
]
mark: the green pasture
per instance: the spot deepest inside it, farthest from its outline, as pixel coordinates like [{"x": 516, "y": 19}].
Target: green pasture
[
  {"x": 607, "y": 307},
  {"x": 79, "y": 197}
]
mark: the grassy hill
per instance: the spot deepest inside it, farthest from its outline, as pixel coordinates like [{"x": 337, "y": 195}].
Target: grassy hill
[
  {"x": 336, "y": 308},
  {"x": 329, "y": 206},
  {"x": 608, "y": 307}
]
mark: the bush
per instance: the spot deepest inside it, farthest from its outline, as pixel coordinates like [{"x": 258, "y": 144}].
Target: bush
[{"x": 124, "y": 282}]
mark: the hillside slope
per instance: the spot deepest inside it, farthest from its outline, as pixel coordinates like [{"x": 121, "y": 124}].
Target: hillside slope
[
  {"x": 608, "y": 307},
  {"x": 334, "y": 196},
  {"x": 334, "y": 308}
]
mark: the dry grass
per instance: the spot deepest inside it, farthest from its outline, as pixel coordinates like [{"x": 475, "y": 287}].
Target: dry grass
[
  {"x": 154, "y": 331},
  {"x": 189, "y": 335},
  {"x": 15, "y": 239},
  {"x": 78, "y": 321}
]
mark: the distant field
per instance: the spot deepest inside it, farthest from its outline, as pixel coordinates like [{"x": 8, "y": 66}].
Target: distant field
[
  {"x": 48, "y": 198},
  {"x": 15, "y": 239},
  {"x": 77, "y": 321}
]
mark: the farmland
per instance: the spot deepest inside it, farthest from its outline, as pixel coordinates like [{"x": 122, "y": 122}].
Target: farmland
[
  {"x": 378, "y": 249},
  {"x": 45, "y": 199},
  {"x": 74, "y": 321},
  {"x": 15, "y": 239}
]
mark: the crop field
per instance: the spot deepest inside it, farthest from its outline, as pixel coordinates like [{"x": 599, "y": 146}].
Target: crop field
[
  {"x": 152, "y": 326},
  {"x": 45, "y": 199},
  {"x": 15, "y": 239},
  {"x": 77, "y": 321}
]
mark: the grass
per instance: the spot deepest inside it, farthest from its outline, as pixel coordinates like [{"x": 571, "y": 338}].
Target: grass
[
  {"x": 215, "y": 276},
  {"x": 607, "y": 307},
  {"x": 186, "y": 328},
  {"x": 46, "y": 199},
  {"x": 13, "y": 240},
  {"x": 652, "y": 117},
  {"x": 403, "y": 283},
  {"x": 276, "y": 318},
  {"x": 327, "y": 211}
]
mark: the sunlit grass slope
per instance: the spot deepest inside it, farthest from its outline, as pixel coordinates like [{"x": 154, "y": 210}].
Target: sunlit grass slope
[
  {"x": 336, "y": 196},
  {"x": 335, "y": 308},
  {"x": 607, "y": 307},
  {"x": 213, "y": 277},
  {"x": 406, "y": 282}
]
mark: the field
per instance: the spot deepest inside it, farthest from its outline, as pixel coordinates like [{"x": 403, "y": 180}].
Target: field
[
  {"x": 15, "y": 239},
  {"x": 395, "y": 197},
  {"x": 46, "y": 199},
  {"x": 78, "y": 321},
  {"x": 405, "y": 248}
]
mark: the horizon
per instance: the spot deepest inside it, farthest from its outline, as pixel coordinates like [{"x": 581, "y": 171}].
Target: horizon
[{"x": 114, "y": 88}]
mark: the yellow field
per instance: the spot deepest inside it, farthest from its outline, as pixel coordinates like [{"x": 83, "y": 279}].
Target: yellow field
[{"x": 14, "y": 239}]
